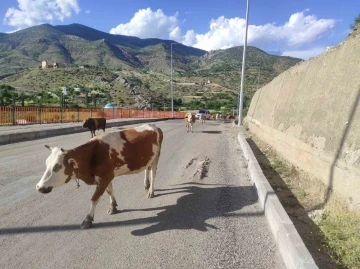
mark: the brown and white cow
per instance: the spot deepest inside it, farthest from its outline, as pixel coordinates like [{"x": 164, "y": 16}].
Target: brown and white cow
[
  {"x": 95, "y": 124},
  {"x": 189, "y": 121},
  {"x": 102, "y": 158}
]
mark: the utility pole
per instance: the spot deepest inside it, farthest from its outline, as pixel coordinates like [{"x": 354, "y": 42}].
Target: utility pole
[
  {"x": 241, "y": 98},
  {"x": 171, "y": 81}
]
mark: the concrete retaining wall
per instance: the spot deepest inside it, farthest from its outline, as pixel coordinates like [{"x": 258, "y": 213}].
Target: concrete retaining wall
[{"x": 310, "y": 115}]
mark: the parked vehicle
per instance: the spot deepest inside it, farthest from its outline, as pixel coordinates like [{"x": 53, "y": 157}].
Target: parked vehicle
[{"x": 203, "y": 112}]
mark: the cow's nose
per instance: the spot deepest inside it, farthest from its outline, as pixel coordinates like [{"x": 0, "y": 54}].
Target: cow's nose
[{"x": 44, "y": 189}]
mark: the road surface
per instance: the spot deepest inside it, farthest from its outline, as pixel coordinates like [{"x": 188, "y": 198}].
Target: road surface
[{"x": 208, "y": 220}]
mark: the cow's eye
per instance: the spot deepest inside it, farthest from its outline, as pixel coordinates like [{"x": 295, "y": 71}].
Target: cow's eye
[{"x": 57, "y": 167}]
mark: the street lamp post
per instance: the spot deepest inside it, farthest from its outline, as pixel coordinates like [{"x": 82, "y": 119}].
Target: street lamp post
[
  {"x": 171, "y": 82},
  {"x": 241, "y": 97}
]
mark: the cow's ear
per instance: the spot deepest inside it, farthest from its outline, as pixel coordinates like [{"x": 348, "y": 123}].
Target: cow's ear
[
  {"x": 73, "y": 163},
  {"x": 48, "y": 147},
  {"x": 63, "y": 151}
]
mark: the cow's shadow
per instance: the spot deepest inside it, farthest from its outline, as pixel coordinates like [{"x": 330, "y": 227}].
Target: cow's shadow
[
  {"x": 199, "y": 203},
  {"x": 191, "y": 211}
]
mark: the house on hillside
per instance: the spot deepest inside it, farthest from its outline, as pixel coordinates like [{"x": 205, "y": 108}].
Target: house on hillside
[
  {"x": 44, "y": 64},
  {"x": 64, "y": 90},
  {"x": 47, "y": 64}
]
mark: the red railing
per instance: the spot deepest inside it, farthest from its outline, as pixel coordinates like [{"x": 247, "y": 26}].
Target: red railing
[{"x": 17, "y": 115}]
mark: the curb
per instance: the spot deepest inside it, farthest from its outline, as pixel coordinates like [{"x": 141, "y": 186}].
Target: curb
[
  {"x": 33, "y": 135},
  {"x": 292, "y": 248}
]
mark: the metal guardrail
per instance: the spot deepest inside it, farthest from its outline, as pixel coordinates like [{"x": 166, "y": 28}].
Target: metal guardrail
[{"x": 19, "y": 115}]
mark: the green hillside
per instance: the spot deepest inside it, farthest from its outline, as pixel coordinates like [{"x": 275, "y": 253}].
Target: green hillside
[{"x": 94, "y": 60}]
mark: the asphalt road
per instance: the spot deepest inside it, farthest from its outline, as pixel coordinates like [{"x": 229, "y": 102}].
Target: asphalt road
[{"x": 193, "y": 222}]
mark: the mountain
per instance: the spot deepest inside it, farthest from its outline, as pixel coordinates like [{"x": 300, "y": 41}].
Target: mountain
[
  {"x": 145, "y": 63},
  {"x": 224, "y": 67},
  {"x": 81, "y": 45}
]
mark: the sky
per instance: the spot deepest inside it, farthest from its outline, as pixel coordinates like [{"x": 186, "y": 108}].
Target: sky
[{"x": 298, "y": 28}]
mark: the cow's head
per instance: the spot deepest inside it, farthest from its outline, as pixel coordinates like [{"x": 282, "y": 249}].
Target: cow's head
[
  {"x": 59, "y": 170},
  {"x": 85, "y": 123},
  {"x": 189, "y": 117}
]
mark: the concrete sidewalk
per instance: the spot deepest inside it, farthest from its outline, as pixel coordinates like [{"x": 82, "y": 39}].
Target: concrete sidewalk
[{"x": 17, "y": 133}]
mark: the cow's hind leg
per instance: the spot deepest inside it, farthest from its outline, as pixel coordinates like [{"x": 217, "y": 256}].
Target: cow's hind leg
[
  {"x": 87, "y": 223},
  {"x": 152, "y": 177},
  {"x": 146, "y": 179},
  {"x": 113, "y": 204}
]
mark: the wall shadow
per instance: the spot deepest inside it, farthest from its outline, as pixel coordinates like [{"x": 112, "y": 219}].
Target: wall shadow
[{"x": 310, "y": 233}]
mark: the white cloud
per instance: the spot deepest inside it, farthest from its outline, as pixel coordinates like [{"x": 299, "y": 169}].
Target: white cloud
[
  {"x": 304, "y": 54},
  {"x": 87, "y": 11},
  {"x": 299, "y": 30},
  {"x": 147, "y": 23},
  {"x": 34, "y": 12}
]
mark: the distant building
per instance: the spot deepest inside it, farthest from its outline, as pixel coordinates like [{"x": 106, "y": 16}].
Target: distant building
[
  {"x": 46, "y": 64},
  {"x": 64, "y": 90}
]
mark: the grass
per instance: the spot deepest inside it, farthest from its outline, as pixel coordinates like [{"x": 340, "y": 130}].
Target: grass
[{"x": 342, "y": 230}]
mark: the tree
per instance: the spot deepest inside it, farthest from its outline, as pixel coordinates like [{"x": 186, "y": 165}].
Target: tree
[
  {"x": 356, "y": 22},
  {"x": 22, "y": 99},
  {"x": 2, "y": 96}
]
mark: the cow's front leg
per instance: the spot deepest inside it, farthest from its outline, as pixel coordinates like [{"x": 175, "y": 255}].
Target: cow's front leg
[
  {"x": 87, "y": 223},
  {"x": 113, "y": 204},
  {"x": 146, "y": 179}
]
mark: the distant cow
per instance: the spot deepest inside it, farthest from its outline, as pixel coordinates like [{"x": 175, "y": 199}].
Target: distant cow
[
  {"x": 102, "y": 158},
  {"x": 95, "y": 124},
  {"x": 189, "y": 121},
  {"x": 202, "y": 118}
]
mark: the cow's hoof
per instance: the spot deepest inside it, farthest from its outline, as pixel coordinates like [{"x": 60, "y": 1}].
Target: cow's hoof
[
  {"x": 150, "y": 195},
  {"x": 112, "y": 211},
  {"x": 86, "y": 224}
]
